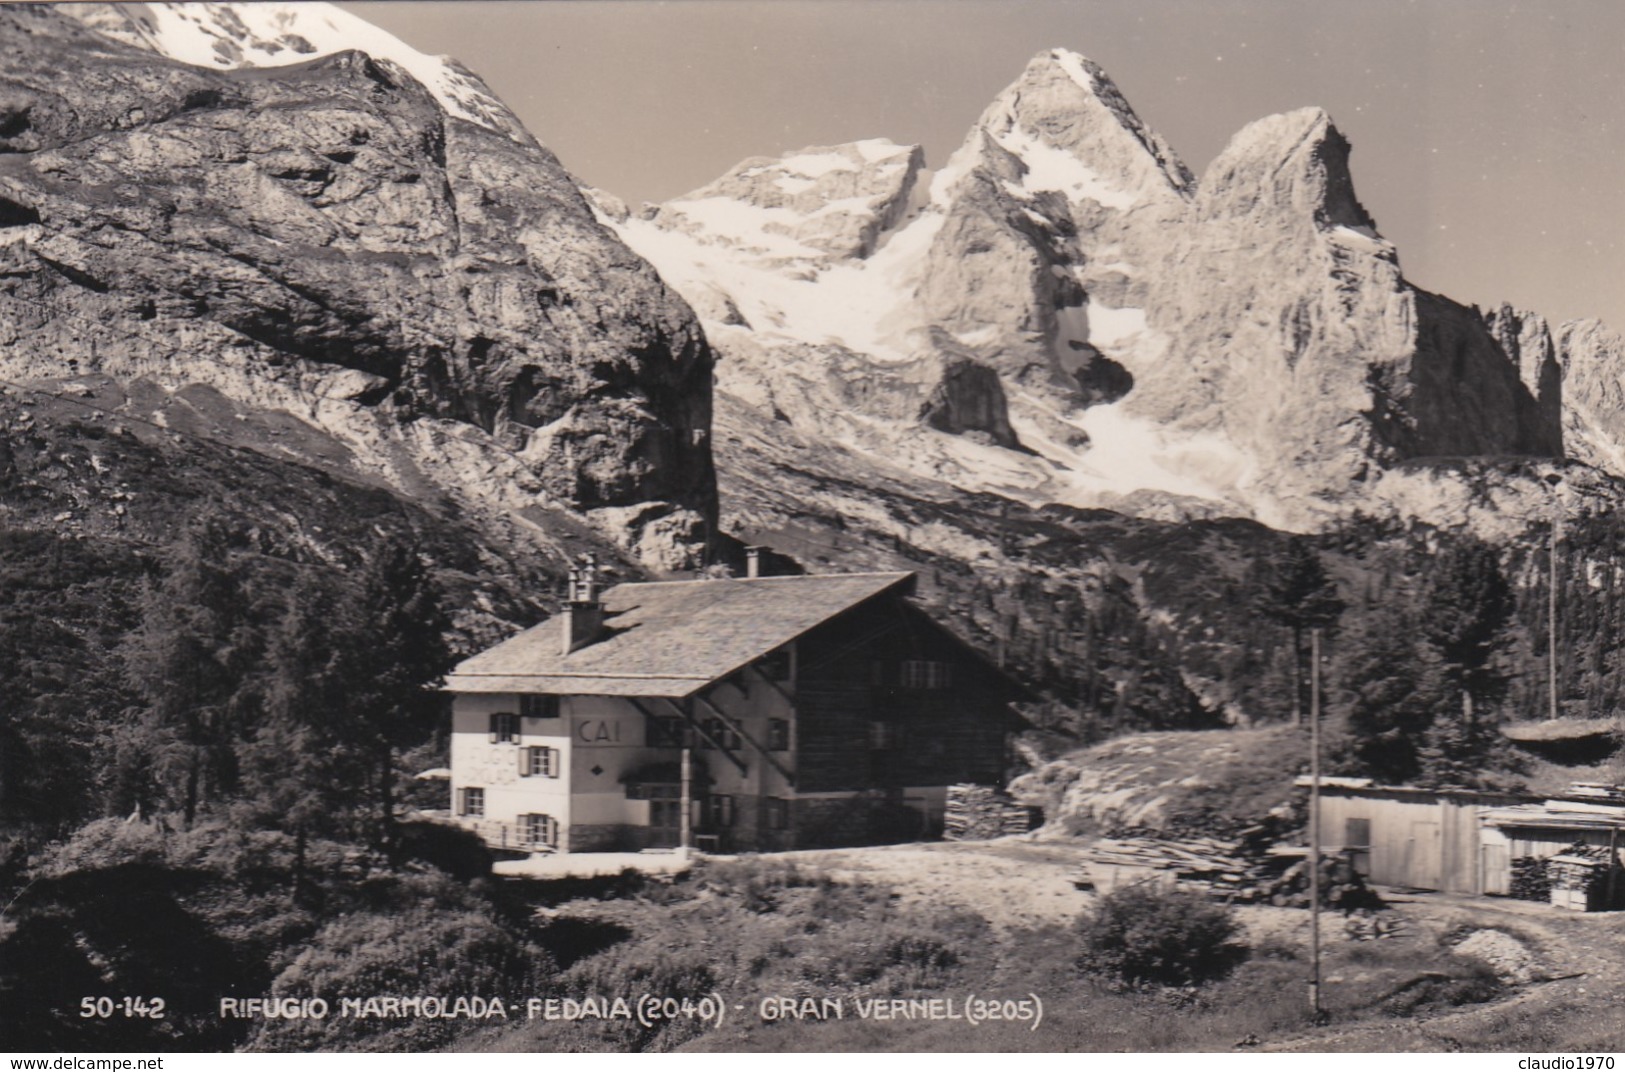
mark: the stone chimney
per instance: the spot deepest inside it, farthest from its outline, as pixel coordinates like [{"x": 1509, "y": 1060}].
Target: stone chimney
[
  {"x": 583, "y": 610},
  {"x": 753, "y": 562}
]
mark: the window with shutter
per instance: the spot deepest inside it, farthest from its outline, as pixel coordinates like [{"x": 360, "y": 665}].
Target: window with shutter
[
  {"x": 539, "y": 761},
  {"x": 537, "y": 829},
  {"x": 473, "y": 800},
  {"x": 778, "y": 735},
  {"x": 504, "y": 727},
  {"x": 719, "y": 731}
]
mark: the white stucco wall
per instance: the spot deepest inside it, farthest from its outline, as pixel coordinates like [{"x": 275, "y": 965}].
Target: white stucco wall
[
  {"x": 476, "y": 761},
  {"x": 601, "y": 740}
]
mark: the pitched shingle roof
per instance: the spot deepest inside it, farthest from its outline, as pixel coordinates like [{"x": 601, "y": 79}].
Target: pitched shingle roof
[{"x": 670, "y": 638}]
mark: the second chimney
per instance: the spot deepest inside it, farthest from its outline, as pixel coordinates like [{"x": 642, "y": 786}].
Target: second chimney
[
  {"x": 583, "y": 610},
  {"x": 753, "y": 562}
]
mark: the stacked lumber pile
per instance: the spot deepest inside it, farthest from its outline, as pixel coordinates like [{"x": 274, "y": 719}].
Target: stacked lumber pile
[
  {"x": 980, "y": 812},
  {"x": 1531, "y": 879},
  {"x": 1201, "y": 862},
  {"x": 1233, "y": 871},
  {"x": 1579, "y": 877}
]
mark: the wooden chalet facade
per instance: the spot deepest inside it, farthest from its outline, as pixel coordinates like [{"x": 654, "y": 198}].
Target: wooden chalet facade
[{"x": 805, "y": 711}]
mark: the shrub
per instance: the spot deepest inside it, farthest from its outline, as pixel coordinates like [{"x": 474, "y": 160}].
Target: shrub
[
  {"x": 434, "y": 949},
  {"x": 103, "y": 843},
  {"x": 886, "y": 955},
  {"x": 1143, "y": 936},
  {"x": 1464, "y": 981},
  {"x": 759, "y": 884},
  {"x": 459, "y": 853}
]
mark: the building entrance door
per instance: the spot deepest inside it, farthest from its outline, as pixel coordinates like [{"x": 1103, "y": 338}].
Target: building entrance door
[
  {"x": 665, "y": 816},
  {"x": 1423, "y": 863}
]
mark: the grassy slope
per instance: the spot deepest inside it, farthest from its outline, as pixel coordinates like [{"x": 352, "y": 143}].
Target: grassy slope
[{"x": 769, "y": 929}]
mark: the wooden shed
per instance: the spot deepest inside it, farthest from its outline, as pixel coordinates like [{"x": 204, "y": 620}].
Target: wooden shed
[
  {"x": 1405, "y": 836},
  {"x": 1544, "y": 831}
]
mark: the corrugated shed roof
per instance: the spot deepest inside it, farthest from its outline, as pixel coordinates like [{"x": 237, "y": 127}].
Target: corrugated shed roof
[
  {"x": 1544, "y": 816},
  {"x": 670, "y": 638}
]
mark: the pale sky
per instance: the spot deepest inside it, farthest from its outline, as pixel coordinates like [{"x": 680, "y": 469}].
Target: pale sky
[{"x": 1489, "y": 136}]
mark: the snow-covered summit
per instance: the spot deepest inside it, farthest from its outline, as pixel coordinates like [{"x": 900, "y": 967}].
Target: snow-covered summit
[
  {"x": 227, "y": 35},
  {"x": 810, "y": 205},
  {"x": 1069, "y": 130}
]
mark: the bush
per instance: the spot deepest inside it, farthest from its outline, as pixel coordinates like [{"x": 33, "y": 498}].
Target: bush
[
  {"x": 1464, "y": 981},
  {"x": 1144, "y": 936},
  {"x": 759, "y": 884},
  {"x": 459, "y": 853},
  {"x": 436, "y": 949}
]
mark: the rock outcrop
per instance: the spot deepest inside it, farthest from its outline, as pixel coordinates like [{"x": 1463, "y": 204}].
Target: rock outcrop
[
  {"x": 328, "y": 239},
  {"x": 1592, "y": 356}
]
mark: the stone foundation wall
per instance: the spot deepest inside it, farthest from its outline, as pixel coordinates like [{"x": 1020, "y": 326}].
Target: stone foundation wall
[{"x": 611, "y": 837}]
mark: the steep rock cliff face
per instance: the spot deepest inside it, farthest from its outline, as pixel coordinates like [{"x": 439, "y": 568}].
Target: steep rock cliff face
[
  {"x": 1047, "y": 208},
  {"x": 325, "y": 238},
  {"x": 1293, "y": 333},
  {"x": 1592, "y": 356}
]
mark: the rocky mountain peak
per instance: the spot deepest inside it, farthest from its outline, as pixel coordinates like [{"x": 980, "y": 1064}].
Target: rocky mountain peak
[
  {"x": 1072, "y": 132},
  {"x": 334, "y": 240},
  {"x": 227, "y": 36},
  {"x": 814, "y": 204},
  {"x": 1526, "y": 338},
  {"x": 1295, "y": 164},
  {"x": 1592, "y": 360}
]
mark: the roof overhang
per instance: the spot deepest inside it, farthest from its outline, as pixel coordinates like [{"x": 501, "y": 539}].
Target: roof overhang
[
  {"x": 1519, "y": 819},
  {"x": 576, "y": 684}
]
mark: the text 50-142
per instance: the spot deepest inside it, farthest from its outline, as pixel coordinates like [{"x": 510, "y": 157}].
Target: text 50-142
[{"x": 132, "y": 1008}]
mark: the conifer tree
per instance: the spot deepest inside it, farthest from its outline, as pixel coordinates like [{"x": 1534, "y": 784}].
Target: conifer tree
[
  {"x": 1296, "y": 592},
  {"x": 394, "y": 654},
  {"x": 187, "y": 661},
  {"x": 1466, "y": 607},
  {"x": 302, "y": 772},
  {"x": 1387, "y": 690}
]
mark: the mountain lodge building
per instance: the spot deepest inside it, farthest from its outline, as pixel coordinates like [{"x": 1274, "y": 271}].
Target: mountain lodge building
[{"x": 788, "y": 711}]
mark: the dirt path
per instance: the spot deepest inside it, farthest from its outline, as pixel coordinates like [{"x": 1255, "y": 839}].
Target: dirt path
[
  {"x": 1009, "y": 882},
  {"x": 1581, "y": 957}
]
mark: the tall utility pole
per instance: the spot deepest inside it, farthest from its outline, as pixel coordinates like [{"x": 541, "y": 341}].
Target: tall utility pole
[
  {"x": 1551, "y": 600},
  {"x": 685, "y": 832},
  {"x": 1314, "y": 822}
]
